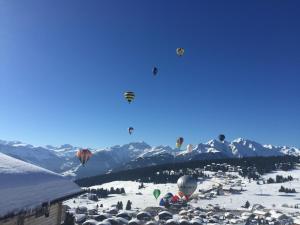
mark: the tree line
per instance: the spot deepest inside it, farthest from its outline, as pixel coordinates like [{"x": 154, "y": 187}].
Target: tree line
[
  {"x": 103, "y": 193},
  {"x": 158, "y": 174}
]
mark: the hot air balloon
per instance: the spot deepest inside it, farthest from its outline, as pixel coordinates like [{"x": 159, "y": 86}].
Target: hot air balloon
[
  {"x": 154, "y": 71},
  {"x": 179, "y": 142},
  {"x": 168, "y": 196},
  {"x": 180, "y": 51},
  {"x": 156, "y": 193},
  {"x": 180, "y": 193},
  {"x": 129, "y": 95},
  {"x": 130, "y": 130},
  {"x": 187, "y": 185},
  {"x": 83, "y": 155},
  {"x": 221, "y": 137},
  {"x": 175, "y": 199},
  {"x": 189, "y": 148}
]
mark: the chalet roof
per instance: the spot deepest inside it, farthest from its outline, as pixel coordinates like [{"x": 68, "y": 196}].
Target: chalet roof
[{"x": 24, "y": 186}]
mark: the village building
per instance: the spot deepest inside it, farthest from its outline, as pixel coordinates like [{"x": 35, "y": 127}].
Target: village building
[{"x": 31, "y": 195}]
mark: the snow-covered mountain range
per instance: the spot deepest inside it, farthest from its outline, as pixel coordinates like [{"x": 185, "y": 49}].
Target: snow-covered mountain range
[{"x": 62, "y": 159}]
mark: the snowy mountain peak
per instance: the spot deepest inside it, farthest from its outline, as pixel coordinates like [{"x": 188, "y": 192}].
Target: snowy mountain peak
[
  {"x": 136, "y": 154},
  {"x": 66, "y": 146}
]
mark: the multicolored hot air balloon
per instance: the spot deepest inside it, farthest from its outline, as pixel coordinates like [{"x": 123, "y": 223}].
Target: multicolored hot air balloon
[
  {"x": 180, "y": 51},
  {"x": 154, "y": 71},
  {"x": 180, "y": 194},
  {"x": 129, "y": 95},
  {"x": 130, "y": 130},
  {"x": 222, "y": 137},
  {"x": 84, "y": 155},
  {"x": 186, "y": 185},
  {"x": 189, "y": 148},
  {"x": 179, "y": 142},
  {"x": 156, "y": 193}
]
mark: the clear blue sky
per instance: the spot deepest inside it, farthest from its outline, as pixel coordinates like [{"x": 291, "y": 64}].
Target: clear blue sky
[{"x": 64, "y": 66}]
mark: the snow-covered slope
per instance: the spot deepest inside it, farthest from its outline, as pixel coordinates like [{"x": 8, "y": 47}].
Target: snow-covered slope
[
  {"x": 36, "y": 155},
  {"x": 134, "y": 155},
  {"x": 237, "y": 148},
  {"x": 246, "y": 148},
  {"x": 23, "y": 186},
  {"x": 262, "y": 194}
]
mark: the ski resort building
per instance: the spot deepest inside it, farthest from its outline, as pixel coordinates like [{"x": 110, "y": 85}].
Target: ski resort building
[{"x": 30, "y": 195}]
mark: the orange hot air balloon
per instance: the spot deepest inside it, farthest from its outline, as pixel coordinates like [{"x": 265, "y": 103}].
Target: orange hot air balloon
[{"x": 83, "y": 155}]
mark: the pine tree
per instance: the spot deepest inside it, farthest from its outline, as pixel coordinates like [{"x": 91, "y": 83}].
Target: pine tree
[
  {"x": 247, "y": 205},
  {"x": 128, "y": 205}
]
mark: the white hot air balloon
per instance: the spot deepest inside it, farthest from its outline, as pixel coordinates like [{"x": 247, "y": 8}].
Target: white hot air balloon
[
  {"x": 187, "y": 185},
  {"x": 189, "y": 148}
]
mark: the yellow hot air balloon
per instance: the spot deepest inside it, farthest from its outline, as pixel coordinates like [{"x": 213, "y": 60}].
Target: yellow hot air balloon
[
  {"x": 129, "y": 95},
  {"x": 179, "y": 142}
]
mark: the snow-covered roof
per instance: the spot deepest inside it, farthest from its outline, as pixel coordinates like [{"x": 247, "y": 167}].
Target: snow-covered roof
[{"x": 24, "y": 186}]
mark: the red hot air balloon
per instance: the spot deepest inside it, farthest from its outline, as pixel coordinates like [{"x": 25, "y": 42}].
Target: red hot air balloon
[{"x": 84, "y": 155}]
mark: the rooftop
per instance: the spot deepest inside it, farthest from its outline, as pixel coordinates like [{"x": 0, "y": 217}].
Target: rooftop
[{"x": 25, "y": 186}]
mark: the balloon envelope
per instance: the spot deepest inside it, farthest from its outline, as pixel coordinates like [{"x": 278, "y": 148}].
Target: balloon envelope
[
  {"x": 156, "y": 193},
  {"x": 162, "y": 202},
  {"x": 83, "y": 155},
  {"x": 168, "y": 196},
  {"x": 189, "y": 147},
  {"x": 154, "y": 71},
  {"x": 180, "y": 51},
  {"x": 130, "y": 130},
  {"x": 187, "y": 185},
  {"x": 221, "y": 137},
  {"x": 179, "y": 142},
  {"x": 129, "y": 95}
]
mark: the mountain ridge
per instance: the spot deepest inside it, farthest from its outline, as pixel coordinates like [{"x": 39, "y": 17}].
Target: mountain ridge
[{"x": 135, "y": 155}]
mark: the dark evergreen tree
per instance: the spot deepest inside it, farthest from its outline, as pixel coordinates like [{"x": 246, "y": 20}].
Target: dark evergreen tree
[
  {"x": 122, "y": 190},
  {"x": 247, "y": 205},
  {"x": 112, "y": 190},
  {"x": 128, "y": 205}
]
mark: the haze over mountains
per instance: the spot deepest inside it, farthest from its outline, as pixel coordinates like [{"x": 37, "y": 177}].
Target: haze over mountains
[{"x": 62, "y": 159}]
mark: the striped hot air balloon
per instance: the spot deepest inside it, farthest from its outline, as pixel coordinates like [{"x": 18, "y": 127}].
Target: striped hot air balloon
[
  {"x": 84, "y": 155},
  {"x": 129, "y": 95}
]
